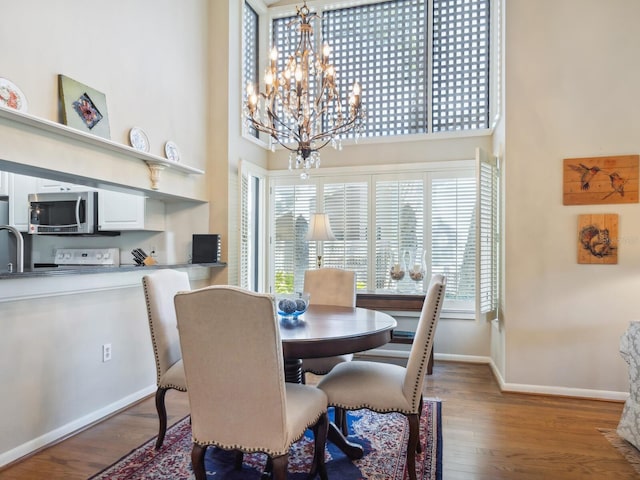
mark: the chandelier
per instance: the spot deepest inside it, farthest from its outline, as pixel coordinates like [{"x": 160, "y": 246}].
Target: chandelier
[{"x": 300, "y": 107}]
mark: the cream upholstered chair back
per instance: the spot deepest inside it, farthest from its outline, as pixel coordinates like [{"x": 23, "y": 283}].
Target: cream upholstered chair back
[
  {"x": 159, "y": 289},
  {"x": 232, "y": 354},
  {"x": 423, "y": 341},
  {"x": 331, "y": 286}
]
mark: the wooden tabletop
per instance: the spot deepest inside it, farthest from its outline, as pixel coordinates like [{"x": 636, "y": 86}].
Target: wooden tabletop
[{"x": 324, "y": 331}]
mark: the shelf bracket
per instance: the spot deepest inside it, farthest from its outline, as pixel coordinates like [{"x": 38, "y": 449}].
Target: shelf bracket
[{"x": 154, "y": 174}]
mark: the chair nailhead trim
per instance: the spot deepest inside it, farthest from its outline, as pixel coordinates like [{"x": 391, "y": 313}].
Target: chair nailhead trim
[
  {"x": 271, "y": 453},
  {"x": 423, "y": 360},
  {"x": 153, "y": 335}
]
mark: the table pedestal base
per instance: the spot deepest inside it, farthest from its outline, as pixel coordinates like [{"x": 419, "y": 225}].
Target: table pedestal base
[
  {"x": 293, "y": 370},
  {"x": 350, "y": 449},
  {"x": 293, "y": 374}
]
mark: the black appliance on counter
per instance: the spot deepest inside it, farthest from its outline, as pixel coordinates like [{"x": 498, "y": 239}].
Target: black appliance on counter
[{"x": 205, "y": 248}]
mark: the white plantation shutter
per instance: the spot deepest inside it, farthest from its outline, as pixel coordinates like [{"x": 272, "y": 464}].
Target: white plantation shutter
[
  {"x": 346, "y": 205},
  {"x": 453, "y": 206},
  {"x": 488, "y": 237},
  {"x": 243, "y": 222},
  {"x": 398, "y": 227},
  {"x": 251, "y": 226},
  {"x": 292, "y": 209},
  {"x": 385, "y": 218}
]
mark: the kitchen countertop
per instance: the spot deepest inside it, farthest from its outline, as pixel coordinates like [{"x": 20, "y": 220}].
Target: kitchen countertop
[{"x": 92, "y": 269}]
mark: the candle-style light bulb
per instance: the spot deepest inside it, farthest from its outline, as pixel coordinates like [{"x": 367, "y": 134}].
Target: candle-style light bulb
[
  {"x": 325, "y": 51},
  {"x": 249, "y": 89},
  {"x": 274, "y": 54}
]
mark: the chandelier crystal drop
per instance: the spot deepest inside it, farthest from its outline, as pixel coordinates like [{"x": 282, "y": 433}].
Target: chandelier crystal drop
[{"x": 300, "y": 107}]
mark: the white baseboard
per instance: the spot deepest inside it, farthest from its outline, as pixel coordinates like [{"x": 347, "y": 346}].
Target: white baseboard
[
  {"x": 510, "y": 387},
  {"x": 65, "y": 430}
]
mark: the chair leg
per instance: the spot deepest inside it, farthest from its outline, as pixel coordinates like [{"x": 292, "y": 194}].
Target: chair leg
[
  {"x": 414, "y": 437},
  {"x": 320, "y": 432},
  {"x": 268, "y": 469},
  {"x": 238, "y": 460},
  {"x": 341, "y": 420},
  {"x": 280, "y": 467},
  {"x": 419, "y": 447},
  {"x": 197, "y": 461},
  {"x": 162, "y": 415}
]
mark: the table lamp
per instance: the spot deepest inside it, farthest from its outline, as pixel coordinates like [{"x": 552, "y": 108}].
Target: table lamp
[{"x": 320, "y": 230}]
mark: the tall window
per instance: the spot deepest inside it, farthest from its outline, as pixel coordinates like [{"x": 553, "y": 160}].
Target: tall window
[
  {"x": 418, "y": 74},
  {"x": 251, "y": 47},
  {"x": 384, "y": 219}
]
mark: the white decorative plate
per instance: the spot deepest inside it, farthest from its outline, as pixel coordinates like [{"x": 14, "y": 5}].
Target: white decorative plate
[
  {"x": 11, "y": 96},
  {"x": 171, "y": 151},
  {"x": 139, "y": 139}
]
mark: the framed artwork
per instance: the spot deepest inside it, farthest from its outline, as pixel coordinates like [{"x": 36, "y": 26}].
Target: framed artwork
[
  {"x": 598, "y": 238},
  {"x": 600, "y": 180},
  {"x": 83, "y": 107}
]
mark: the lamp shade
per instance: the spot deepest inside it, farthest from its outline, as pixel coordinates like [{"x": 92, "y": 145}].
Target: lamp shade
[{"x": 319, "y": 228}]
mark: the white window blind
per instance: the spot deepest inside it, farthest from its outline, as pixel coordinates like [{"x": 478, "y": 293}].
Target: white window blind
[
  {"x": 251, "y": 226},
  {"x": 460, "y": 65},
  {"x": 292, "y": 209},
  {"x": 383, "y": 47},
  {"x": 488, "y": 236},
  {"x": 399, "y": 228},
  {"x": 251, "y": 45},
  {"x": 453, "y": 203},
  {"x": 245, "y": 232},
  {"x": 346, "y": 205},
  {"x": 387, "y": 218}
]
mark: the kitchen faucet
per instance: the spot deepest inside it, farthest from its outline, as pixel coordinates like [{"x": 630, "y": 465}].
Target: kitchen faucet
[{"x": 19, "y": 246}]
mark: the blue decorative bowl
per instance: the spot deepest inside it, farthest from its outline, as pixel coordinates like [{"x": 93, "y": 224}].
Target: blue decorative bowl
[{"x": 292, "y": 306}]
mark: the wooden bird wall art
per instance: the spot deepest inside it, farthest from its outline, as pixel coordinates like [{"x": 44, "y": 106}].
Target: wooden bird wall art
[
  {"x": 598, "y": 238},
  {"x": 600, "y": 180}
]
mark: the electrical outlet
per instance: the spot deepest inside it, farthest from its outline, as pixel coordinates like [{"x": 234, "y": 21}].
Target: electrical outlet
[{"x": 106, "y": 352}]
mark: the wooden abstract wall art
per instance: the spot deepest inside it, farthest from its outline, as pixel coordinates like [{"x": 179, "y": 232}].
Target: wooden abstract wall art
[
  {"x": 600, "y": 180},
  {"x": 598, "y": 238}
]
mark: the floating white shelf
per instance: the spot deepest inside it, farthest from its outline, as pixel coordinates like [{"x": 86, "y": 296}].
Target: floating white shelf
[{"x": 154, "y": 162}]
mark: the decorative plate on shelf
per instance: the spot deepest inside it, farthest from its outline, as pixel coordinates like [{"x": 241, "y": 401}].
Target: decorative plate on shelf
[
  {"x": 139, "y": 139},
  {"x": 11, "y": 96},
  {"x": 171, "y": 151}
]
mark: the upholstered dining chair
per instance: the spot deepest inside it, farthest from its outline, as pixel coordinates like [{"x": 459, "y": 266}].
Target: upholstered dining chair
[
  {"x": 329, "y": 286},
  {"x": 159, "y": 289},
  {"x": 234, "y": 367},
  {"x": 384, "y": 387}
]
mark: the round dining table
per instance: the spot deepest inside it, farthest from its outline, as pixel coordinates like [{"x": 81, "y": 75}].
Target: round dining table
[{"x": 325, "y": 331}]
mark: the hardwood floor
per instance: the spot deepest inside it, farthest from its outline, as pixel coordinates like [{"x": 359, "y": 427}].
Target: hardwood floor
[{"x": 487, "y": 435}]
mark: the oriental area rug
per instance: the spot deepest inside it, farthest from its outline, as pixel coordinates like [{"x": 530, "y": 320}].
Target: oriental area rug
[{"x": 383, "y": 437}]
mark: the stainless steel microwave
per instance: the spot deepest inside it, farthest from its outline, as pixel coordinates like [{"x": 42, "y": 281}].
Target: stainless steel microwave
[{"x": 63, "y": 213}]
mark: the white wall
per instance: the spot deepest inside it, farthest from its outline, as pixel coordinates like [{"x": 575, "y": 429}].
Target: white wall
[
  {"x": 571, "y": 91},
  {"x": 151, "y": 59},
  {"x": 148, "y": 57}
]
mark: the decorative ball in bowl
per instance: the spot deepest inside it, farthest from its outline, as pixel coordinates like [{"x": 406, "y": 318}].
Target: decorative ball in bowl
[{"x": 292, "y": 305}]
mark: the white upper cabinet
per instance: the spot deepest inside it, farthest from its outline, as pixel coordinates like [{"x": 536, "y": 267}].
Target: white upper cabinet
[
  {"x": 50, "y": 186},
  {"x": 4, "y": 184},
  {"x": 122, "y": 211},
  {"x": 19, "y": 188}
]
